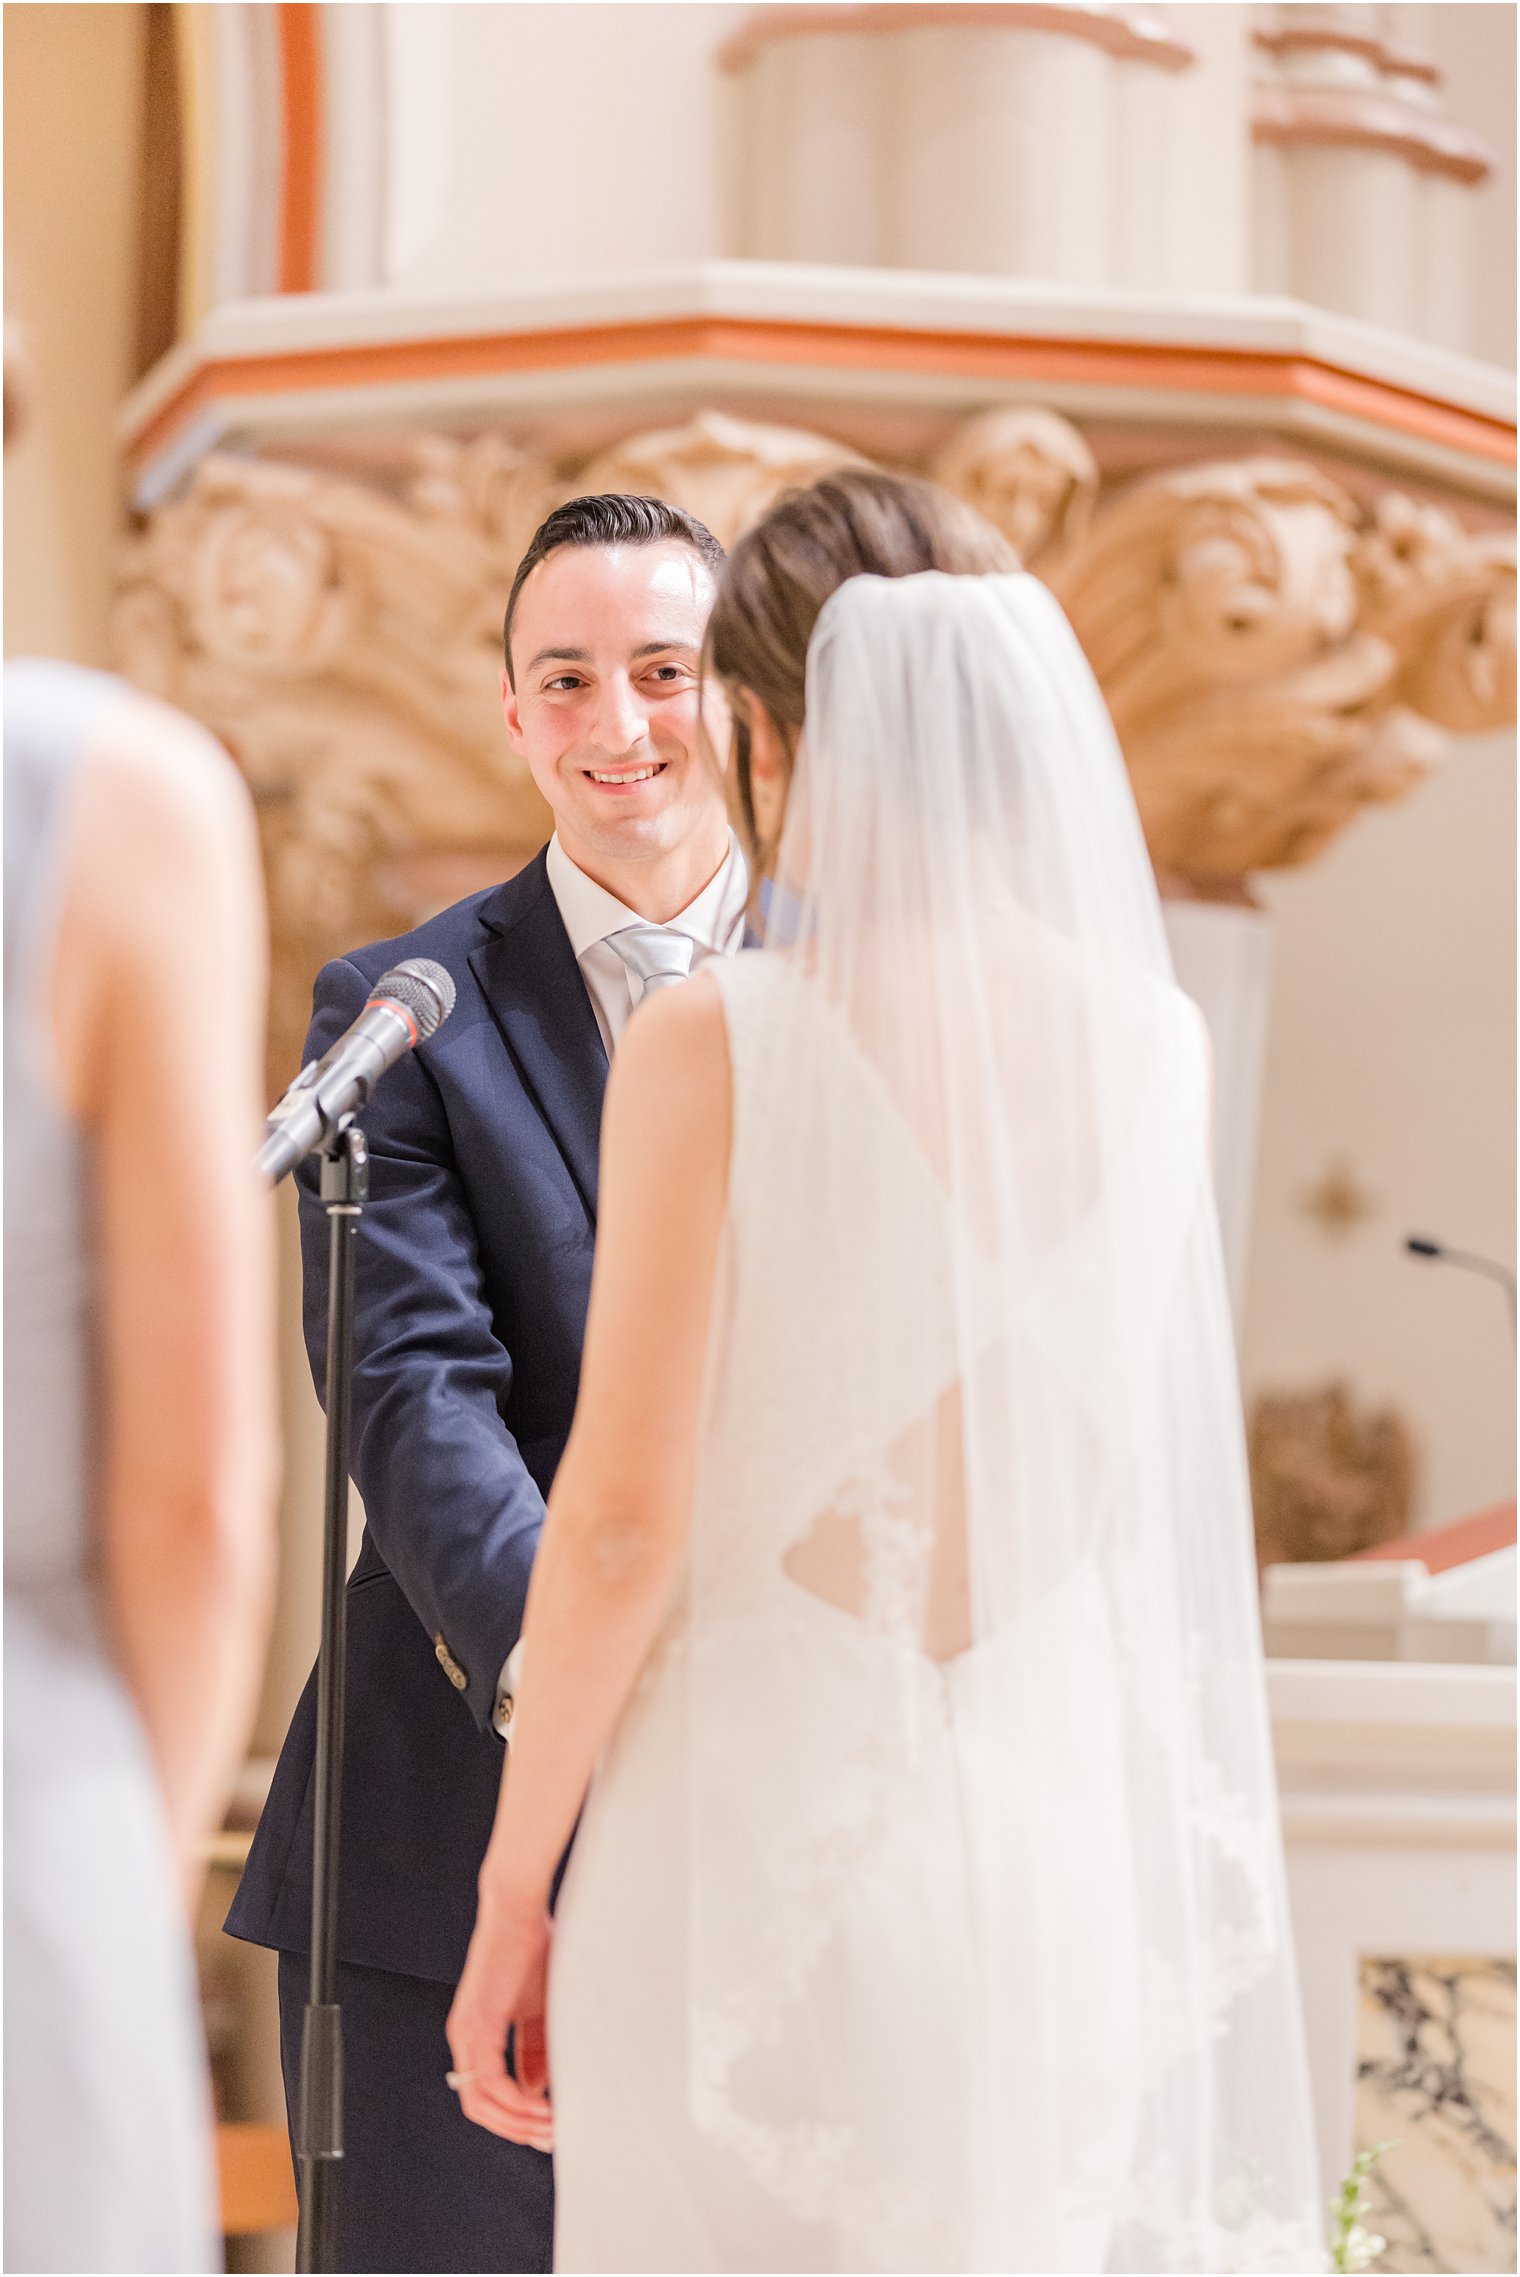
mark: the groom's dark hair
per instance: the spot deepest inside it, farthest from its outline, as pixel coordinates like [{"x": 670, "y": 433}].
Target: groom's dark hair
[{"x": 614, "y": 518}]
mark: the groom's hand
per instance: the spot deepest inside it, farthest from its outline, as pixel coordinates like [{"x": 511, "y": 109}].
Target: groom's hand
[{"x": 505, "y": 1984}]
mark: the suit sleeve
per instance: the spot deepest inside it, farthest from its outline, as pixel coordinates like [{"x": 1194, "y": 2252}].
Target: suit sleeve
[{"x": 448, "y": 1498}]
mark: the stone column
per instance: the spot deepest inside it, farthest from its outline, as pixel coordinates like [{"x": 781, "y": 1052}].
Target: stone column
[
  {"x": 1363, "y": 187},
  {"x": 1005, "y": 150},
  {"x": 1222, "y": 952},
  {"x": 1021, "y": 141},
  {"x": 814, "y": 162}
]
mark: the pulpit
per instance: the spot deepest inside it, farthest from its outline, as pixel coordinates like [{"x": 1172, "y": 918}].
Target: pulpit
[{"x": 1395, "y": 1735}]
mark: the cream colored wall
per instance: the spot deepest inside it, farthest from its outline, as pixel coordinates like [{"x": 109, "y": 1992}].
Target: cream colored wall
[
  {"x": 72, "y": 95},
  {"x": 1392, "y": 1046},
  {"x": 1392, "y": 1035}
]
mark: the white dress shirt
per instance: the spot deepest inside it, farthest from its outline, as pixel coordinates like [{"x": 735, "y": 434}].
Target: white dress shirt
[{"x": 714, "y": 923}]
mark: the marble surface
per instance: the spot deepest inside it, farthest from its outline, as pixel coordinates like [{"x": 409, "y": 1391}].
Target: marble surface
[{"x": 1436, "y": 2077}]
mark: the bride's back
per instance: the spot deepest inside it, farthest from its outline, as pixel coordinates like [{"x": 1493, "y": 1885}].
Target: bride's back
[
  {"x": 946, "y": 1808},
  {"x": 897, "y": 1683},
  {"x": 888, "y": 1215}
]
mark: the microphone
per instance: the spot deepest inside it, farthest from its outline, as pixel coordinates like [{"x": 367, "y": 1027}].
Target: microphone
[
  {"x": 406, "y": 1006},
  {"x": 1421, "y": 1245}
]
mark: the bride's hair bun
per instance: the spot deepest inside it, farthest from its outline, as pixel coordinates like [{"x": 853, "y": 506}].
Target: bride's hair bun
[{"x": 859, "y": 522}]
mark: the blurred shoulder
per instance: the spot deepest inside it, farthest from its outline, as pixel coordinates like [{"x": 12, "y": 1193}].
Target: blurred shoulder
[
  {"x": 161, "y": 918},
  {"x": 164, "y": 781}
]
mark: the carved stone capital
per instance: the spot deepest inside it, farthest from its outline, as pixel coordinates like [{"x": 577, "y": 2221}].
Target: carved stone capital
[
  {"x": 1275, "y": 658},
  {"x": 1274, "y": 655},
  {"x": 1445, "y": 600},
  {"x": 1028, "y": 472},
  {"x": 344, "y": 643},
  {"x": 725, "y": 471}
]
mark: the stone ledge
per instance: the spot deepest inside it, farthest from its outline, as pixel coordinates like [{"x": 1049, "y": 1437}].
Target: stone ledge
[{"x": 869, "y": 341}]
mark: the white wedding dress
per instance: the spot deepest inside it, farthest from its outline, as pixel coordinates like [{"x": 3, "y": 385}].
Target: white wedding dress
[
  {"x": 926, "y": 1909},
  {"x": 864, "y": 1937}
]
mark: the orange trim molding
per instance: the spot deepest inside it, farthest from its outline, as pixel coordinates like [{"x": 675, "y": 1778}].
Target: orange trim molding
[
  {"x": 1285, "y": 376},
  {"x": 1446, "y": 1546},
  {"x": 1300, "y": 39},
  {"x": 1346, "y": 119},
  {"x": 1136, "y": 34},
  {"x": 301, "y": 118}
]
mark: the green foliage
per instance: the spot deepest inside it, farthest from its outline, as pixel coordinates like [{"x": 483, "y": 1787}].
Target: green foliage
[{"x": 1352, "y": 2244}]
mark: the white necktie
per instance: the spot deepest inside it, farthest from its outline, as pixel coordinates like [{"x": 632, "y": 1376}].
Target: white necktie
[{"x": 659, "y": 956}]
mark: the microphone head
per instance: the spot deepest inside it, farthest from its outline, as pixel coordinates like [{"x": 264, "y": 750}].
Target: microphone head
[
  {"x": 1421, "y": 1245},
  {"x": 423, "y": 988}
]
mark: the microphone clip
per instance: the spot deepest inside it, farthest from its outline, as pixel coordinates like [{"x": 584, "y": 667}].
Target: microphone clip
[{"x": 345, "y": 1167}]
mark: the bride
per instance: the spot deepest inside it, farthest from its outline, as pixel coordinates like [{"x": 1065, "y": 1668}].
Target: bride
[{"x": 893, "y": 1632}]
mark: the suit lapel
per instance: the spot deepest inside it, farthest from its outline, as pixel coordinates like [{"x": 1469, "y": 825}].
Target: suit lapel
[{"x": 532, "y": 983}]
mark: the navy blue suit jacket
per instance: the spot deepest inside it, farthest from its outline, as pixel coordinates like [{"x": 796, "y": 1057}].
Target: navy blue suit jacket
[{"x": 473, "y": 1273}]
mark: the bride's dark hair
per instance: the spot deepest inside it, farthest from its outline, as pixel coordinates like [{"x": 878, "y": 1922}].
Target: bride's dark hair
[{"x": 857, "y": 523}]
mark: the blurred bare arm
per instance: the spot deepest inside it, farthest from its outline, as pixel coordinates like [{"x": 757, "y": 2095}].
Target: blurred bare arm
[{"x": 158, "y": 1021}]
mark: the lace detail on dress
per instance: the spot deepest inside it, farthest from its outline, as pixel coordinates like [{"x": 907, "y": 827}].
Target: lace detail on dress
[
  {"x": 811, "y": 2165},
  {"x": 1232, "y": 2232},
  {"x": 778, "y": 1458},
  {"x": 814, "y": 1832}
]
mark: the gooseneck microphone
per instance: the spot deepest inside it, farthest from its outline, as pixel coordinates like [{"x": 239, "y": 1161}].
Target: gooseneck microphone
[
  {"x": 1421, "y": 1245},
  {"x": 406, "y": 1006}
]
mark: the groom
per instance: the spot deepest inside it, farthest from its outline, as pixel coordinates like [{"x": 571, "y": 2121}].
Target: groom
[{"x": 474, "y": 1265}]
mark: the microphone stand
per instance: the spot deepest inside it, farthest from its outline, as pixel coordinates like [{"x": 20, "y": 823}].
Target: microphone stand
[
  {"x": 1422, "y": 1245},
  {"x": 319, "y": 2137}
]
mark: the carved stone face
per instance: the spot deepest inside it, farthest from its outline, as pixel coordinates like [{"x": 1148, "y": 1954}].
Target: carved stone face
[
  {"x": 1026, "y": 497},
  {"x": 267, "y": 589},
  {"x": 1027, "y": 471},
  {"x": 607, "y": 648}
]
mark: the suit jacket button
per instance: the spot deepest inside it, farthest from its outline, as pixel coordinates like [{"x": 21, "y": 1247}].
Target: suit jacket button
[{"x": 450, "y": 1666}]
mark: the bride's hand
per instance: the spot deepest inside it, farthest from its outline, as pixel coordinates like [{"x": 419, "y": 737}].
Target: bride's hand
[{"x": 505, "y": 1982}]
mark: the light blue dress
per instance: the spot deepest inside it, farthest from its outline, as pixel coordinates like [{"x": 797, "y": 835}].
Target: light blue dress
[{"x": 107, "y": 2106}]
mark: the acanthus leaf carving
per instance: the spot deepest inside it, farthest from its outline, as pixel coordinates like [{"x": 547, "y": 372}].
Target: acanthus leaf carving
[
  {"x": 1272, "y": 660},
  {"x": 725, "y": 471},
  {"x": 1028, "y": 472},
  {"x": 485, "y": 484},
  {"x": 1274, "y": 656},
  {"x": 344, "y": 643},
  {"x": 1445, "y": 598}
]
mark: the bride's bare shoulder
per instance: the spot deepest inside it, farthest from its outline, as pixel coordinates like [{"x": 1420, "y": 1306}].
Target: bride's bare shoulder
[{"x": 672, "y": 1065}]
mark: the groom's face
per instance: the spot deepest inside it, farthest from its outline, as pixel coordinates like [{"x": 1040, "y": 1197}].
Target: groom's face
[{"x": 606, "y": 650}]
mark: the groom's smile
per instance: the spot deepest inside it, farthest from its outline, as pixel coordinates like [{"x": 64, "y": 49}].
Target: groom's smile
[
  {"x": 626, "y": 781},
  {"x": 603, "y": 702}
]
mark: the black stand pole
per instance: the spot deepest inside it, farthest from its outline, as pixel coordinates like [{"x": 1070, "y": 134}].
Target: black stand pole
[{"x": 319, "y": 2142}]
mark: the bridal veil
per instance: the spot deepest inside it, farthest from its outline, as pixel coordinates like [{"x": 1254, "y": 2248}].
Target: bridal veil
[{"x": 1026, "y": 1517}]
